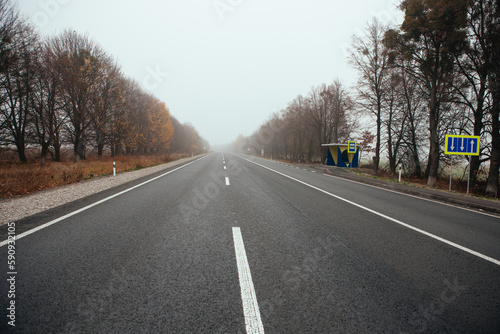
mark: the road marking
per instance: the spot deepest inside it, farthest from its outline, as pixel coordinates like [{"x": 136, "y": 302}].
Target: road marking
[
  {"x": 41, "y": 227},
  {"x": 227, "y": 181},
  {"x": 417, "y": 197},
  {"x": 251, "y": 311},
  {"x": 224, "y": 167},
  {"x": 450, "y": 243}
]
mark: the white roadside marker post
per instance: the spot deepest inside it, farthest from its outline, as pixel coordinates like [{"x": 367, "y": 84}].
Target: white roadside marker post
[{"x": 114, "y": 168}]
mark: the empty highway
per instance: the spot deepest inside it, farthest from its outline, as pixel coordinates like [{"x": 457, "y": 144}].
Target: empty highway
[{"x": 236, "y": 244}]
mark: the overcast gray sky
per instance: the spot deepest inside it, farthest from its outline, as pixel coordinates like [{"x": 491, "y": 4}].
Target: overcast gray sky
[{"x": 222, "y": 65}]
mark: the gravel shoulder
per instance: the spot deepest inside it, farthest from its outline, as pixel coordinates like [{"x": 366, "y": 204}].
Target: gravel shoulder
[{"x": 13, "y": 209}]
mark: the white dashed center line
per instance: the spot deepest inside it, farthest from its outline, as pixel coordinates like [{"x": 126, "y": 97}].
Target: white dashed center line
[
  {"x": 251, "y": 311},
  {"x": 227, "y": 181}
]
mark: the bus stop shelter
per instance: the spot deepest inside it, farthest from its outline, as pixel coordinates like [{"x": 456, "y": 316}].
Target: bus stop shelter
[{"x": 338, "y": 155}]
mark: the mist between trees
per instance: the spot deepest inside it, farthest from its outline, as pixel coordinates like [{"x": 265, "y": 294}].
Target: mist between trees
[
  {"x": 67, "y": 90},
  {"x": 436, "y": 74}
]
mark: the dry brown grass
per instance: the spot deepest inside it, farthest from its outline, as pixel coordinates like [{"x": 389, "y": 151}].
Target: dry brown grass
[
  {"x": 458, "y": 185},
  {"x": 21, "y": 179}
]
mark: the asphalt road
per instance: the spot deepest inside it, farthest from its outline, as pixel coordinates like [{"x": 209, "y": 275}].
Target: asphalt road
[{"x": 233, "y": 244}]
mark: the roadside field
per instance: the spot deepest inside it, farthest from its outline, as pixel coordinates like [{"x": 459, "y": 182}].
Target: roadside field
[{"x": 21, "y": 179}]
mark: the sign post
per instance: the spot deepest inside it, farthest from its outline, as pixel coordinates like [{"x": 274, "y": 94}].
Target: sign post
[
  {"x": 451, "y": 169},
  {"x": 462, "y": 145}
]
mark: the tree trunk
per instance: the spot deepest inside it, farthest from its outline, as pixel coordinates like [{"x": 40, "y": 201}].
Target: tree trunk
[
  {"x": 416, "y": 161},
  {"x": 494, "y": 85},
  {"x": 414, "y": 150},
  {"x": 391, "y": 155},
  {"x": 392, "y": 164},
  {"x": 44, "y": 152},
  {"x": 474, "y": 161},
  {"x": 100, "y": 149},
  {"x": 391, "y": 148},
  {"x": 78, "y": 150},
  {"x": 323, "y": 150},
  {"x": 492, "y": 184},
  {"x": 21, "y": 150},
  {"x": 100, "y": 143},
  {"x": 433, "y": 162},
  {"x": 57, "y": 151},
  {"x": 376, "y": 159}
]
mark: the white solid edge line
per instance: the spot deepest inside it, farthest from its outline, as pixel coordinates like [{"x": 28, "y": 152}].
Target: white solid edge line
[
  {"x": 465, "y": 249},
  {"x": 253, "y": 322},
  {"x": 227, "y": 181},
  {"x": 417, "y": 197},
  {"x": 414, "y": 196},
  {"x": 52, "y": 222}
]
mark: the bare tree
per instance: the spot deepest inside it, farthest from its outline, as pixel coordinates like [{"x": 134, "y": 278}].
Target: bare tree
[
  {"x": 412, "y": 106},
  {"x": 394, "y": 120},
  {"x": 105, "y": 99},
  {"x": 296, "y": 129},
  {"x": 9, "y": 21},
  {"x": 9, "y": 28},
  {"x": 47, "y": 105},
  {"x": 18, "y": 86},
  {"x": 327, "y": 114},
  {"x": 370, "y": 59},
  {"x": 79, "y": 68}
]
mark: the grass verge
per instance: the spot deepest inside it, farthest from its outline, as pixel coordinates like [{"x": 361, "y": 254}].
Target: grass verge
[
  {"x": 20, "y": 179},
  {"x": 458, "y": 186}
]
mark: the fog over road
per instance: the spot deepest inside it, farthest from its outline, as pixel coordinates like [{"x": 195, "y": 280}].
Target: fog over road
[{"x": 235, "y": 244}]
